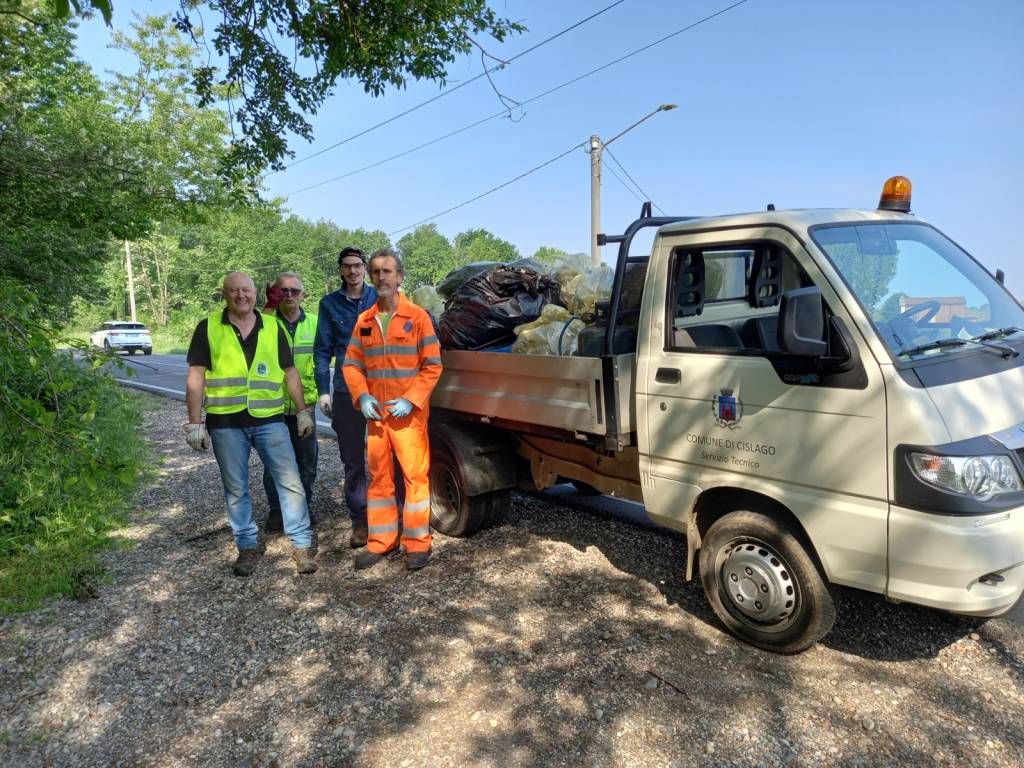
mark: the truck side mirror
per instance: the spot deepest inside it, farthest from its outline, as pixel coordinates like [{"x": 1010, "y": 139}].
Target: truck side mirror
[{"x": 802, "y": 323}]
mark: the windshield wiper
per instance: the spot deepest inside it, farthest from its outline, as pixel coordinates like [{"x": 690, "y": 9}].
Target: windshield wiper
[
  {"x": 938, "y": 344},
  {"x": 1004, "y": 351},
  {"x": 996, "y": 334}
]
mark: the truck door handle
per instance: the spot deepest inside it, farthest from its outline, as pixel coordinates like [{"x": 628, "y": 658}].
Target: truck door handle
[{"x": 668, "y": 376}]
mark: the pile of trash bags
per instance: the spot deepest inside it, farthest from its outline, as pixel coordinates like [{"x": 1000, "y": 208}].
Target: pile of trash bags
[
  {"x": 483, "y": 312},
  {"x": 526, "y": 306}
]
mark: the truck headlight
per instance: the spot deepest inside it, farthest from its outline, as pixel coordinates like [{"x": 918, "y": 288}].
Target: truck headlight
[{"x": 980, "y": 477}]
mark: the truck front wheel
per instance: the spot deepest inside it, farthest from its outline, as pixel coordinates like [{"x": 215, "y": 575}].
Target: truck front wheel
[
  {"x": 762, "y": 583},
  {"x": 452, "y": 512}
]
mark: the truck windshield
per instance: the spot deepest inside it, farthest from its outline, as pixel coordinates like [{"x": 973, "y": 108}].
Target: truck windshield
[{"x": 925, "y": 296}]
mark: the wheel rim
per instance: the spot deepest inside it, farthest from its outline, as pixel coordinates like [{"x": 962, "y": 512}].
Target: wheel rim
[
  {"x": 445, "y": 495},
  {"x": 757, "y": 585}
]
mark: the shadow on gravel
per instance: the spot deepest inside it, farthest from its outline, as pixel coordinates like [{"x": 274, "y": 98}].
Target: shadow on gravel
[{"x": 510, "y": 649}]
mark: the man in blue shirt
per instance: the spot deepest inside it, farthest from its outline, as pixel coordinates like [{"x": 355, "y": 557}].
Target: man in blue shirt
[{"x": 337, "y": 318}]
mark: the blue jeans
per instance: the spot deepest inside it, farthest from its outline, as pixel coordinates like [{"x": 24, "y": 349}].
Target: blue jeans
[
  {"x": 350, "y": 426},
  {"x": 307, "y": 452},
  {"x": 232, "y": 447}
]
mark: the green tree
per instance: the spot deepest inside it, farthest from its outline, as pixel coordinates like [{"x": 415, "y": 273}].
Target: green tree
[
  {"x": 548, "y": 255},
  {"x": 427, "y": 255},
  {"x": 480, "y": 245},
  {"x": 380, "y": 43}
]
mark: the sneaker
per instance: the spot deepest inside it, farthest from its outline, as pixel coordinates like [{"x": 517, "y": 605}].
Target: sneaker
[
  {"x": 246, "y": 561},
  {"x": 370, "y": 559},
  {"x": 360, "y": 534},
  {"x": 304, "y": 562},
  {"x": 416, "y": 560},
  {"x": 274, "y": 522}
]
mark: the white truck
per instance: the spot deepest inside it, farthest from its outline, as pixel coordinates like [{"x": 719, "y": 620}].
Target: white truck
[{"x": 813, "y": 397}]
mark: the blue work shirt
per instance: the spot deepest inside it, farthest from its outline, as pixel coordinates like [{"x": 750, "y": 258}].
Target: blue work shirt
[{"x": 338, "y": 315}]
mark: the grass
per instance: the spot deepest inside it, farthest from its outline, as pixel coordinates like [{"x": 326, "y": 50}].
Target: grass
[{"x": 54, "y": 548}]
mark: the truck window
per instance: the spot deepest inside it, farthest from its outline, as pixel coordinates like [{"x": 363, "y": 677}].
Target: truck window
[{"x": 725, "y": 298}]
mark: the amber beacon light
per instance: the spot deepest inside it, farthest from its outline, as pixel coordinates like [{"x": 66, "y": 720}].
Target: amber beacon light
[{"x": 895, "y": 195}]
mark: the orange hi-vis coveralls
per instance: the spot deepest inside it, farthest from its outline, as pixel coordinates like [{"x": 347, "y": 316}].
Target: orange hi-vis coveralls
[{"x": 405, "y": 364}]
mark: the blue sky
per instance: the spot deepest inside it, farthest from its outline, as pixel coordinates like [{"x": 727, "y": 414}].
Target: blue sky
[{"x": 799, "y": 103}]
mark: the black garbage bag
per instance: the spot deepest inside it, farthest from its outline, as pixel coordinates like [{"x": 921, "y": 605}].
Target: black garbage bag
[
  {"x": 482, "y": 313},
  {"x": 455, "y": 279}
]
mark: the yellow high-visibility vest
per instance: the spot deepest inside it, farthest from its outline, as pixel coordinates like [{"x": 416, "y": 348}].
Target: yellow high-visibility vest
[{"x": 230, "y": 386}]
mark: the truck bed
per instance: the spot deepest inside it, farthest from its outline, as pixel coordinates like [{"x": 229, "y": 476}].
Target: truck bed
[{"x": 562, "y": 393}]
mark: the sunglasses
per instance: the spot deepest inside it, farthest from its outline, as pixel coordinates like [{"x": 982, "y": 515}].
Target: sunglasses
[{"x": 291, "y": 291}]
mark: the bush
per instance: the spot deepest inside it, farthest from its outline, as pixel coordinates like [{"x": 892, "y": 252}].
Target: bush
[{"x": 70, "y": 456}]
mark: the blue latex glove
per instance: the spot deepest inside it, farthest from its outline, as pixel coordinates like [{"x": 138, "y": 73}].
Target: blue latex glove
[
  {"x": 399, "y": 407},
  {"x": 370, "y": 406}
]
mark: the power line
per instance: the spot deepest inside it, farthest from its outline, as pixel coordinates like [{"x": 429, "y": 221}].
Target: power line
[
  {"x": 448, "y": 91},
  {"x": 623, "y": 169},
  {"x": 530, "y": 100},
  {"x": 625, "y": 186},
  {"x": 492, "y": 189}
]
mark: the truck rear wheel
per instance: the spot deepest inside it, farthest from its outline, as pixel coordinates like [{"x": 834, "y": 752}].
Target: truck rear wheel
[
  {"x": 763, "y": 584},
  {"x": 452, "y": 511}
]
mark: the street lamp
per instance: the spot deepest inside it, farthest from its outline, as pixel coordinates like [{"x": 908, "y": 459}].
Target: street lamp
[{"x": 596, "y": 148}]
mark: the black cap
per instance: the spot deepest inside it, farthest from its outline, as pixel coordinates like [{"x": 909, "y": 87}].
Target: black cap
[{"x": 351, "y": 250}]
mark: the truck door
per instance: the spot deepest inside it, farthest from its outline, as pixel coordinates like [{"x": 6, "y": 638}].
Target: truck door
[{"x": 725, "y": 408}]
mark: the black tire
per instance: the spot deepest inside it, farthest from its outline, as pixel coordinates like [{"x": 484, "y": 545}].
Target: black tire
[
  {"x": 586, "y": 489},
  {"x": 147, "y": 352},
  {"x": 452, "y": 512},
  {"x": 106, "y": 345},
  {"x": 746, "y": 555},
  {"x": 131, "y": 352}
]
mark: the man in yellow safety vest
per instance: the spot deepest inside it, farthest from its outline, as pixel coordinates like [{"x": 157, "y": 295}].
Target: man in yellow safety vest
[
  {"x": 300, "y": 331},
  {"x": 241, "y": 370}
]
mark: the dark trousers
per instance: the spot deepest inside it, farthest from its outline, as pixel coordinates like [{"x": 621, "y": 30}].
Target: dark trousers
[
  {"x": 307, "y": 452},
  {"x": 350, "y": 427}
]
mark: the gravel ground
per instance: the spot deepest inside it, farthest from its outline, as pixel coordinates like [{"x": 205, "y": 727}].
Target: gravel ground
[{"x": 562, "y": 638}]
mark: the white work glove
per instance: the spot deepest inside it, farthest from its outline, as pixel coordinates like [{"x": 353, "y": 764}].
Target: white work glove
[
  {"x": 197, "y": 437},
  {"x": 304, "y": 422},
  {"x": 325, "y": 405}
]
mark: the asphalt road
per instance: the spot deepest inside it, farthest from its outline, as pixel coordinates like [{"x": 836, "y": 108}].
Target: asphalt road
[{"x": 165, "y": 375}]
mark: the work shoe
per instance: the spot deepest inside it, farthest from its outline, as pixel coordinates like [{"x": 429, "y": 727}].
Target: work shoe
[
  {"x": 246, "y": 561},
  {"x": 370, "y": 559},
  {"x": 360, "y": 534},
  {"x": 274, "y": 522},
  {"x": 304, "y": 562},
  {"x": 416, "y": 560}
]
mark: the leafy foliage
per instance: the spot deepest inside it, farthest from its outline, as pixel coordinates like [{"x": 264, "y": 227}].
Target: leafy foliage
[
  {"x": 285, "y": 57},
  {"x": 480, "y": 245},
  {"x": 427, "y": 255},
  {"x": 70, "y": 454}
]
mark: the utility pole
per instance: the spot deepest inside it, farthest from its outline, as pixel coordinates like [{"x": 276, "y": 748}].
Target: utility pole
[
  {"x": 596, "y": 148},
  {"x": 595, "y": 199},
  {"x": 131, "y": 279}
]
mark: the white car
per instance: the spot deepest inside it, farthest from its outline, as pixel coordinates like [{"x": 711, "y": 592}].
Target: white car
[{"x": 123, "y": 335}]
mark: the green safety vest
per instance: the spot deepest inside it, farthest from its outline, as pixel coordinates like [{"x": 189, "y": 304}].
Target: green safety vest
[
  {"x": 302, "y": 350},
  {"x": 230, "y": 387}
]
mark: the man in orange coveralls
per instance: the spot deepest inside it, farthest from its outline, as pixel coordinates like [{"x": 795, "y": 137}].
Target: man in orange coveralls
[{"x": 391, "y": 367}]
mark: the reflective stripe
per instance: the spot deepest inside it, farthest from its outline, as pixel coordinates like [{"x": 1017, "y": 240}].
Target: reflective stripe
[
  {"x": 355, "y": 342},
  {"x": 273, "y": 386},
  {"x": 426, "y": 340},
  {"x": 354, "y": 364},
  {"x": 416, "y": 506},
  {"x": 275, "y": 403},
  {"x": 416, "y": 533},
  {"x": 218, "y": 401},
  {"x": 393, "y": 373},
  {"x": 392, "y": 349},
  {"x": 431, "y": 360},
  {"x": 390, "y": 528},
  {"x": 379, "y": 503},
  {"x": 306, "y": 349},
  {"x": 236, "y": 381}
]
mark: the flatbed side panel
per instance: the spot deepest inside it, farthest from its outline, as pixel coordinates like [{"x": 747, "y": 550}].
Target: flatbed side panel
[
  {"x": 560, "y": 392},
  {"x": 625, "y": 392}
]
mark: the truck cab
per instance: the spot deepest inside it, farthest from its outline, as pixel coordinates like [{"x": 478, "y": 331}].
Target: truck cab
[{"x": 815, "y": 398}]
